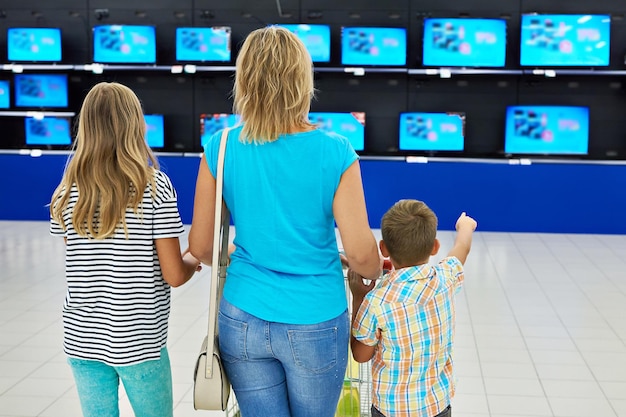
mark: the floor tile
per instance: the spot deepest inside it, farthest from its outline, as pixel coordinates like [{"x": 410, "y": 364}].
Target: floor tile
[
  {"x": 581, "y": 407},
  {"x": 519, "y": 405}
]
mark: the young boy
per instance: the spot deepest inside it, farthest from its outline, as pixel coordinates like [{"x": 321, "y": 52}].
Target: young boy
[{"x": 406, "y": 320}]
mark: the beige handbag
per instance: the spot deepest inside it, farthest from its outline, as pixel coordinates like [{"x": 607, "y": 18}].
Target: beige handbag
[{"x": 211, "y": 387}]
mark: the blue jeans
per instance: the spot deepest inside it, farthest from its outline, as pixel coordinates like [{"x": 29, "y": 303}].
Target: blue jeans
[
  {"x": 283, "y": 370},
  {"x": 148, "y": 386}
]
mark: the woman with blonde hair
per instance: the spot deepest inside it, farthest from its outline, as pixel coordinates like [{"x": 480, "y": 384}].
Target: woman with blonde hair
[
  {"x": 283, "y": 320},
  {"x": 118, "y": 215}
]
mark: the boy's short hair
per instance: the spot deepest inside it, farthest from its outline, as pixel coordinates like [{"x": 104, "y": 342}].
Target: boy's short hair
[{"x": 409, "y": 229}]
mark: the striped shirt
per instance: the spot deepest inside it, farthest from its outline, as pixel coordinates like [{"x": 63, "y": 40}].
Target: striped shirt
[
  {"x": 117, "y": 304},
  {"x": 412, "y": 366}
]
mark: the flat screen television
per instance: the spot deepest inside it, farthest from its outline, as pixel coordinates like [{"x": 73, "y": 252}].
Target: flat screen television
[
  {"x": 316, "y": 38},
  {"x": 40, "y": 90},
  {"x": 557, "y": 40},
  {"x": 211, "y": 123},
  {"x": 124, "y": 44},
  {"x": 5, "y": 94},
  {"x": 464, "y": 42},
  {"x": 547, "y": 130},
  {"x": 433, "y": 132},
  {"x": 34, "y": 45},
  {"x": 375, "y": 46},
  {"x": 351, "y": 125},
  {"x": 155, "y": 134},
  {"x": 47, "y": 131},
  {"x": 203, "y": 44}
]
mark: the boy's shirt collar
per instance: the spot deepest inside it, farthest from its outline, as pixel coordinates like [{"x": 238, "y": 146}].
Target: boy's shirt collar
[{"x": 410, "y": 273}]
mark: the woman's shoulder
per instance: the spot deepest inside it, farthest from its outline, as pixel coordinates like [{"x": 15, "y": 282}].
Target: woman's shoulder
[{"x": 329, "y": 136}]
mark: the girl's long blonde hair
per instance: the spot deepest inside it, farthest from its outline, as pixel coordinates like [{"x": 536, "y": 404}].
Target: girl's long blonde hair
[
  {"x": 273, "y": 85},
  {"x": 111, "y": 166}
]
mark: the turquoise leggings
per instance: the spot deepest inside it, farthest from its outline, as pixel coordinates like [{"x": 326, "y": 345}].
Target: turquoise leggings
[{"x": 148, "y": 386}]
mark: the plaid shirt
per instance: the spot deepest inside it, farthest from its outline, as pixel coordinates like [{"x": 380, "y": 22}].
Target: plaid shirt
[{"x": 412, "y": 366}]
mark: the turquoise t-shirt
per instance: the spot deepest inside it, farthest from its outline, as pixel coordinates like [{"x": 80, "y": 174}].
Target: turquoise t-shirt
[{"x": 286, "y": 267}]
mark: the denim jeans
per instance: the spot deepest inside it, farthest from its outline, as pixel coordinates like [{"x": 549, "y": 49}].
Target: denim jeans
[
  {"x": 148, "y": 386},
  {"x": 283, "y": 370}
]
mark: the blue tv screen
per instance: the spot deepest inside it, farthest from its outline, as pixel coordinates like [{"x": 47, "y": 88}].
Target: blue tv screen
[
  {"x": 155, "y": 134},
  {"x": 565, "y": 40},
  {"x": 464, "y": 42},
  {"x": 316, "y": 38},
  {"x": 373, "y": 46},
  {"x": 203, "y": 44},
  {"x": 40, "y": 90},
  {"x": 351, "y": 125},
  {"x": 211, "y": 123},
  {"x": 432, "y": 132},
  {"x": 5, "y": 95},
  {"x": 121, "y": 44},
  {"x": 34, "y": 44},
  {"x": 549, "y": 130},
  {"x": 48, "y": 131}
]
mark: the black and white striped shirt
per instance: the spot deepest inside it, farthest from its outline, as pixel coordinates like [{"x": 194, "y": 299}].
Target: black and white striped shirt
[{"x": 117, "y": 305}]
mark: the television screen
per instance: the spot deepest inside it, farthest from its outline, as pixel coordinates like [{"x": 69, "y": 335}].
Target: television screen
[
  {"x": 373, "y": 46},
  {"x": 203, "y": 44},
  {"x": 121, "y": 44},
  {"x": 40, "y": 90},
  {"x": 34, "y": 44},
  {"x": 464, "y": 42},
  {"x": 211, "y": 123},
  {"x": 47, "y": 131},
  {"x": 550, "y": 130},
  {"x": 155, "y": 136},
  {"x": 316, "y": 38},
  {"x": 432, "y": 131},
  {"x": 565, "y": 40},
  {"x": 5, "y": 95},
  {"x": 351, "y": 125}
]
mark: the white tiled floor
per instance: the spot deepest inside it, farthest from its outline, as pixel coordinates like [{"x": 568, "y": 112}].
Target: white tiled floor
[{"x": 541, "y": 327}]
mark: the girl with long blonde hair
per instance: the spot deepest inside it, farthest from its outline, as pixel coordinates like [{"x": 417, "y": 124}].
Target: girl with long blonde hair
[{"x": 119, "y": 217}]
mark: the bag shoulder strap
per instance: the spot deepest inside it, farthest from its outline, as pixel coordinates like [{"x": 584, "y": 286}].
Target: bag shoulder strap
[{"x": 220, "y": 252}]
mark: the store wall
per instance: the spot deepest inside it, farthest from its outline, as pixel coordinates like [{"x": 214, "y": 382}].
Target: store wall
[{"x": 545, "y": 197}]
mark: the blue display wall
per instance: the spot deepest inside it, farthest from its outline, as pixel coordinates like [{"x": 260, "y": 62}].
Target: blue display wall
[{"x": 540, "y": 197}]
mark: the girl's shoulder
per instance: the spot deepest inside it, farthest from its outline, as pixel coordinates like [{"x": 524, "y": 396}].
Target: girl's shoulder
[{"x": 164, "y": 189}]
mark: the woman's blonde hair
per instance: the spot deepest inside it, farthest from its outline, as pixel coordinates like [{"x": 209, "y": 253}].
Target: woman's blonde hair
[
  {"x": 111, "y": 166},
  {"x": 273, "y": 85}
]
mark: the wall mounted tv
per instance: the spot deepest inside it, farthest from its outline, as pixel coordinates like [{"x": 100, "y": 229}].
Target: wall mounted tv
[
  {"x": 124, "y": 44},
  {"x": 558, "y": 40},
  {"x": 47, "y": 131},
  {"x": 351, "y": 125},
  {"x": 547, "y": 130},
  {"x": 432, "y": 131},
  {"x": 5, "y": 94},
  {"x": 373, "y": 46},
  {"x": 203, "y": 44},
  {"x": 34, "y": 45},
  {"x": 40, "y": 90},
  {"x": 316, "y": 38},
  {"x": 155, "y": 136},
  {"x": 211, "y": 123},
  {"x": 464, "y": 42}
]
